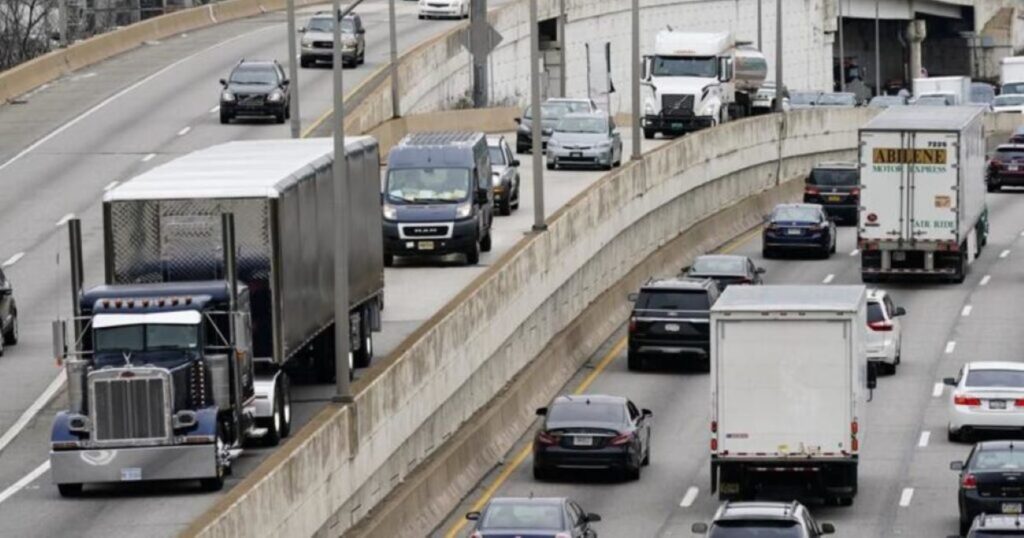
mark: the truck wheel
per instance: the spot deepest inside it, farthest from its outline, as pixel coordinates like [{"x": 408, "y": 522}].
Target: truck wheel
[
  {"x": 216, "y": 482},
  {"x": 961, "y": 271},
  {"x": 364, "y": 354},
  {"x": 304, "y": 61},
  {"x": 473, "y": 254},
  {"x": 11, "y": 334},
  {"x": 275, "y": 423},
  {"x": 69, "y": 490},
  {"x": 485, "y": 243},
  {"x": 649, "y": 134}
]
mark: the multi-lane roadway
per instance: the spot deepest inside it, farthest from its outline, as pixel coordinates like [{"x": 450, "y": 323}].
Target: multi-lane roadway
[{"x": 906, "y": 488}]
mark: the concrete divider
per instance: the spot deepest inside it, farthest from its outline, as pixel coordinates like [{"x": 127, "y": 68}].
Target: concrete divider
[{"x": 344, "y": 462}]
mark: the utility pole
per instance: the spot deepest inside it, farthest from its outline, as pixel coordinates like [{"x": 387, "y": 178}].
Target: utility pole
[
  {"x": 878, "y": 56},
  {"x": 293, "y": 75},
  {"x": 341, "y": 324},
  {"x": 535, "y": 123},
  {"x": 761, "y": 50},
  {"x": 396, "y": 108},
  {"x": 842, "y": 53},
  {"x": 62, "y": 20},
  {"x": 779, "y": 87},
  {"x": 635, "y": 82}
]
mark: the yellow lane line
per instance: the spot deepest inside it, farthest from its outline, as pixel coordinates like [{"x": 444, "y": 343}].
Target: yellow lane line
[{"x": 614, "y": 352}]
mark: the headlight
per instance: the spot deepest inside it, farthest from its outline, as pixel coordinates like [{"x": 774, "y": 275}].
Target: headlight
[
  {"x": 390, "y": 212},
  {"x": 227, "y": 96},
  {"x": 275, "y": 96},
  {"x": 307, "y": 42},
  {"x": 496, "y": 179},
  {"x": 464, "y": 210},
  {"x": 552, "y": 142},
  {"x": 348, "y": 43},
  {"x": 648, "y": 108},
  {"x": 605, "y": 144}
]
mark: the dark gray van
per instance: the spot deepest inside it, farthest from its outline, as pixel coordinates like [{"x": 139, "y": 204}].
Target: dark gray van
[{"x": 437, "y": 197}]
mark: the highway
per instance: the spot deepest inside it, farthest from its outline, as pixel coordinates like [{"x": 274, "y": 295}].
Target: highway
[
  {"x": 64, "y": 144},
  {"x": 906, "y": 488}
]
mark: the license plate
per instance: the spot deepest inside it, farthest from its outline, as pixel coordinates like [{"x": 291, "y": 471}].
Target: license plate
[
  {"x": 899, "y": 256},
  {"x": 672, "y": 327},
  {"x": 1011, "y": 508},
  {"x": 131, "y": 474},
  {"x": 1013, "y": 168},
  {"x": 793, "y": 231},
  {"x": 677, "y": 126},
  {"x": 997, "y": 404},
  {"x": 834, "y": 198},
  {"x": 583, "y": 440},
  {"x": 425, "y": 245},
  {"x": 575, "y": 154}
]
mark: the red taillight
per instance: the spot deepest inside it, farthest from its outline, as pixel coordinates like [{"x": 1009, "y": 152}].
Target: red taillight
[
  {"x": 714, "y": 426},
  {"x": 812, "y": 190},
  {"x": 969, "y": 482},
  {"x": 545, "y": 438},
  {"x": 855, "y": 191},
  {"x": 854, "y": 427},
  {"x": 632, "y": 324},
  {"x": 963, "y": 399},
  {"x": 994, "y": 163},
  {"x": 621, "y": 439},
  {"x": 855, "y": 445},
  {"x": 1018, "y": 403},
  {"x": 880, "y": 326},
  {"x": 714, "y": 444}
]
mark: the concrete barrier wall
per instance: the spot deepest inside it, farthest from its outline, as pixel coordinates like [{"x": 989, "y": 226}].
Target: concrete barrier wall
[{"x": 346, "y": 460}]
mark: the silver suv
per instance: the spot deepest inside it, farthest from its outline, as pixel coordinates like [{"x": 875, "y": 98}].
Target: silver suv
[
  {"x": 318, "y": 40},
  {"x": 783, "y": 520}
]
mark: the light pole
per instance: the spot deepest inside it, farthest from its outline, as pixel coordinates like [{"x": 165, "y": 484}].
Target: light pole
[
  {"x": 878, "y": 56},
  {"x": 842, "y": 53},
  {"x": 293, "y": 75},
  {"x": 759, "y": 49},
  {"x": 341, "y": 203},
  {"x": 535, "y": 123},
  {"x": 636, "y": 78},
  {"x": 779, "y": 88},
  {"x": 396, "y": 109}
]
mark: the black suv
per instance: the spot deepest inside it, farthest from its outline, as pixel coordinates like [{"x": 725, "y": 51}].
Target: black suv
[
  {"x": 255, "y": 88},
  {"x": 671, "y": 318},
  {"x": 836, "y": 186},
  {"x": 8, "y": 314}
]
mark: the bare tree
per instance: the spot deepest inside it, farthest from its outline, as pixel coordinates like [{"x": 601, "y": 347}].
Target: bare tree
[{"x": 25, "y": 30}]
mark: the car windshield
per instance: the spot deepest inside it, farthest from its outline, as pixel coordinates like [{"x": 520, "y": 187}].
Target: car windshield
[
  {"x": 998, "y": 460},
  {"x": 875, "y": 313},
  {"x": 497, "y": 155},
  {"x": 803, "y": 98},
  {"x": 673, "y": 300},
  {"x": 834, "y": 177},
  {"x": 326, "y": 24},
  {"x": 581, "y": 411},
  {"x": 674, "y": 66},
  {"x": 549, "y": 111},
  {"x": 582, "y": 125},
  {"x": 424, "y": 185},
  {"x": 1013, "y": 87},
  {"x": 755, "y": 529},
  {"x": 506, "y": 515},
  {"x": 843, "y": 99},
  {"x": 1009, "y": 100},
  {"x": 796, "y": 213},
  {"x": 259, "y": 75},
  {"x": 995, "y": 378},
  {"x": 151, "y": 337},
  {"x": 712, "y": 265}
]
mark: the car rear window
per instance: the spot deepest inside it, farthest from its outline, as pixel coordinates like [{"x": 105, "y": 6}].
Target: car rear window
[
  {"x": 715, "y": 265},
  {"x": 796, "y": 213},
  {"x": 755, "y": 528},
  {"x": 995, "y": 378},
  {"x": 674, "y": 300},
  {"x": 998, "y": 460},
  {"x": 523, "y": 516},
  {"x": 1008, "y": 153},
  {"x": 833, "y": 177},
  {"x": 875, "y": 312},
  {"x": 587, "y": 412}
]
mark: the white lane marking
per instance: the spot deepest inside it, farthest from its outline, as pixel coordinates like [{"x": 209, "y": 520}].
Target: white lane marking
[
  {"x": 110, "y": 185},
  {"x": 24, "y": 481},
  {"x": 184, "y": 131},
  {"x": 937, "y": 390},
  {"x": 828, "y": 279},
  {"x": 13, "y": 260},
  {"x": 56, "y": 132},
  {"x": 691, "y": 495},
  {"x": 906, "y": 496},
  {"x": 950, "y": 346},
  {"x": 215, "y": 109},
  {"x": 1004, "y": 253},
  {"x": 855, "y": 252},
  {"x": 148, "y": 158},
  {"x": 984, "y": 280},
  {"x": 923, "y": 441},
  {"x": 966, "y": 311},
  {"x": 64, "y": 220},
  {"x": 30, "y": 413}
]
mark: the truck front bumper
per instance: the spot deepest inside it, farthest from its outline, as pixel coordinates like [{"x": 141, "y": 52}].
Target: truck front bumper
[
  {"x": 677, "y": 125},
  {"x": 133, "y": 464},
  {"x": 463, "y": 235}
]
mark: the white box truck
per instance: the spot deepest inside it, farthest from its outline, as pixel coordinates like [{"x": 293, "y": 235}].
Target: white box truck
[
  {"x": 922, "y": 195},
  {"x": 956, "y": 90},
  {"x": 789, "y": 385},
  {"x": 1011, "y": 75}
]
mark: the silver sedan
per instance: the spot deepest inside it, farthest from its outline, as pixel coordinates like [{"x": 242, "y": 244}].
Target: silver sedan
[{"x": 585, "y": 139}]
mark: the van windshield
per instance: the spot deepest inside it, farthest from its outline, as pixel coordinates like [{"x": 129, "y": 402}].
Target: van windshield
[
  {"x": 427, "y": 185},
  {"x": 674, "y": 66}
]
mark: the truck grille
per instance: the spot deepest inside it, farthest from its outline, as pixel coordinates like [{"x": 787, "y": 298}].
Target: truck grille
[
  {"x": 129, "y": 407},
  {"x": 677, "y": 105},
  {"x": 426, "y": 230}
]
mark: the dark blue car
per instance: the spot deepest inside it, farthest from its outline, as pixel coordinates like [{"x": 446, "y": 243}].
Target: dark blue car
[
  {"x": 799, "y": 228},
  {"x": 540, "y": 517}
]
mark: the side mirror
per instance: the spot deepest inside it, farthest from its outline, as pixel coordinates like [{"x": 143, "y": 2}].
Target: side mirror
[
  {"x": 699, "y": 528},
  {"x": 872, "y": 375},
  {"x": 632, "y": 297},
  {"x": 301, "y": 30},
  {"x": 285, "y": 82},
  {"x": 542, "y": 411},
  {"x": 760, "y": 270},
  {"x": 900, "y": 311},
  {"x": 592, "y": 517},
  {"x": 685, "y": 269},
  {"x": 223, "y": 82},
  {"x": 647, "y": 413},
  {"x": 515, "y": 162},
  {"x": 518, "y": 120},
  {"x": 956, "y": 465},
  {"x": 951, "y": 381},
  {"x": 361, "y": 31},
  {"x": 60, "y": 343},
  {"x": 828, "y": 528},
  {"x": 473, "y": 516}
]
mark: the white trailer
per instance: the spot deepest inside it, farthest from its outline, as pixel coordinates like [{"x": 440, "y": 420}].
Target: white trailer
[
  {"x": 789, "y": 382},
  {"x": 955, "y": 89},
  {"x": 1011, "y": 75},
  {"x": 922, "y": 198}
]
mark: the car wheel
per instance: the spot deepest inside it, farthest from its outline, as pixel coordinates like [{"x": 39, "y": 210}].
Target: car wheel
[
  {"x": 954, "y": 437},
  {"x": 647, "y": 454},
  {"x": 69, "y": 490},
  {"x": 389, "y": 259},
  {"x": 632, "y": 472},
  {"x": 10, "y": 337},
  {"x": 473, "y": 254},
  {"x": 275, "y": 423},
  {"x": 485, "y": 243},
  {"x": 279, "y": 116},
  {"x": 515, "y": 199},
  {"x": 420, "y": 17},
  {"x": 225, "y": 117},
  {"x": 551, "y": 166},
  {"x": 834, "y": 241},
  {"x": 305, "y": 62},
  {"x": 506, "y": 206},
  {"x": 766, "y": 253},
  {"x": 541, "y": 474},
  {"x": 649, "y": 134},
  {"x": 965, "y": 526},
  {"x": 634, "y": 361}
]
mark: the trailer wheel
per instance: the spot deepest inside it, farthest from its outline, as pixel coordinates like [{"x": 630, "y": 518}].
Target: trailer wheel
[
  {"x": 364, "y": 354},
  {"x": 279, "y": 424},
  {"x": 961, "y": 271},
  {"x": 69, "y": 490}
]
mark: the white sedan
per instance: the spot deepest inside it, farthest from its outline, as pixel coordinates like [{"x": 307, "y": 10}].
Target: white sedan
[
  {"x": 458, "y": 9},
  {"x": 986, "y": 396},
  {"x": 1011, "y": 102}
]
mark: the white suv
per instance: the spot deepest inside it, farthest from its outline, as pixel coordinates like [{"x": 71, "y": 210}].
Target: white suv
[
  {"x": 885, "y": 333},
  {"x": 790, "y": 519},
  {"x": 986, "y": 396}
]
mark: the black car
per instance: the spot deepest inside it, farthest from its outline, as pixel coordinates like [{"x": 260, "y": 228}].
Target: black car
[
  {"x": 1005, "y": 168},
  {"x": 996, "y": 526},
  {"x": 592, "y": 431},
  {"x": 533, "y": 517},
  {"x": 255, "y": 88},
  {"x": 799, "y": 228},
  {"x": 671, "y": 318},
  {"x": 725, "y": 269},
  {"x": 836, "y": 186},
  {"x": 8, "y": 314},
  {"x": 991, "y": 481}
]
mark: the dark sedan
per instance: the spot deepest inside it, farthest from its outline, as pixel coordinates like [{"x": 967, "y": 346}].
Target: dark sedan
[
  {"x": 725, "y": 270},
  {"x": 991, "y": 481},
  {"x": 592, "y": 432},
  {"x": 799, "y": 227},
  {"x": 1006, "y": 168},
  {"x": 8, "y": 314},
  {"x": 534, "y": 517},
  {"x": 1018, "y": 135},
  {"x": 255, "y": 88}
]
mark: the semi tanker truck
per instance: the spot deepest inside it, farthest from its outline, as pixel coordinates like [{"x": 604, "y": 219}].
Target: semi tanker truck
[{"x": 696, "y": 80}]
